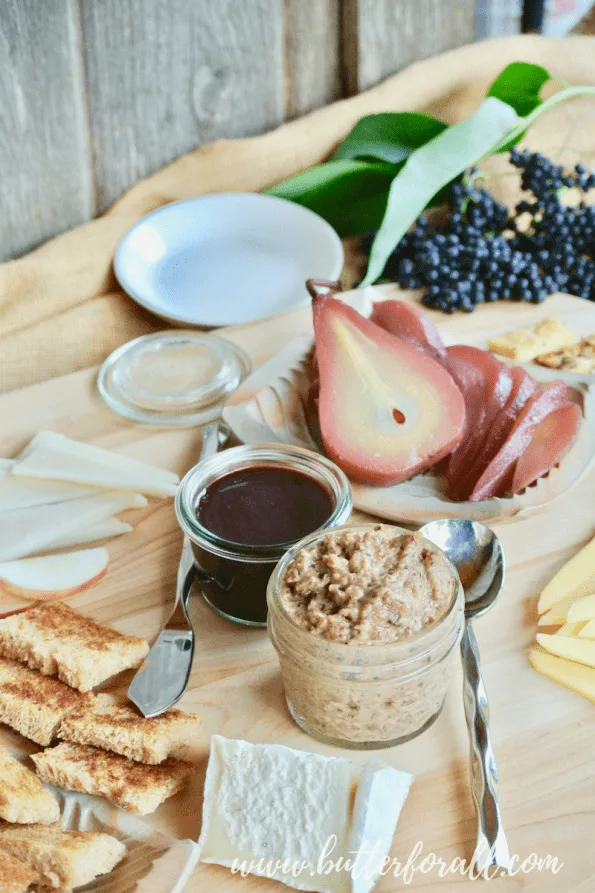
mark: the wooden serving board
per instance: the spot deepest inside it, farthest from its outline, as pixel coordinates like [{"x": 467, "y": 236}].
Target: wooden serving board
[{"x": 542, "y": 733}]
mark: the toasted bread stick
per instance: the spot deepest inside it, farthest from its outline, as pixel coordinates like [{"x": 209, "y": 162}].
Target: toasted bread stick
[
  {"x": 15, "y": 876},
  {"x": 62, "y": 859},
  {"x": 111, "y": 724},
  {"x": 34, "y": 705},
  {"x": 58, "y": 641},
  {"x": 23, "y": 798},
  {"x": 133, "y": 786}
]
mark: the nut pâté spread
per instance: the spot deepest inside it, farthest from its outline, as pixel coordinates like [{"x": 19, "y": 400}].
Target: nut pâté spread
[{"x": 380, "y": 586}]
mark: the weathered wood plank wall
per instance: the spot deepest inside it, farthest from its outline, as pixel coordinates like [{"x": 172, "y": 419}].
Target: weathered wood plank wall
[
  {"x": 164, "y": 77},
  {"x": 45, "y": 163},
  {"x": 96, "y": 94},
  {"x": 384, "y": 35}
]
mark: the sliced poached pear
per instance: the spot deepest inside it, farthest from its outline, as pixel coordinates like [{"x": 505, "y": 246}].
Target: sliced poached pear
[
  {"x": 387, "y": 410},
  {"x": 409, "y": 323}
]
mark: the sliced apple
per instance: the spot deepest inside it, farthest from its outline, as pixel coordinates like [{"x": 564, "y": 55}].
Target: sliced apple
[
  {"x": 576, "y": 578},
  {"x": 570, "y": 629},
  {"x": 27, "y": 531},
  {"x": 54, "y": 576},
  {"x": 55, "y": 457},
  {"x": 387, "y": 410},
  {"x": 580, "y": 650},
  {"x": 588, "y": 630},
  {"x": 576, "y": 676},
  {"x": 581, "y": 609},
  {"x": 102, "y": 531}
]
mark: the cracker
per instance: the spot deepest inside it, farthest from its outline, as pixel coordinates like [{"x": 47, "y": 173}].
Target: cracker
[
  {"x": 525, "y": 344},
  {"x": 580, "y": 358}
]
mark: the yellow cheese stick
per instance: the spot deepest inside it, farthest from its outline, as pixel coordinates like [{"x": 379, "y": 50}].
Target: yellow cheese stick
[
  {"x": 575, "y": 676},
  {"x": 588, "y": 630},
  {"x": 556, "y": 615},
  {"x": 571, "y": 610},
  {"x": 575, "y": 579},
  {"x": 581, "y": 609},
  {"x": 571, "y": 629},
  {"x": 581, "y": 650}
]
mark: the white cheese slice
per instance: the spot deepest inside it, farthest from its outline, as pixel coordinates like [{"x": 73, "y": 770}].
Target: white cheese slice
[
  {"x": 31, "y": 530},
  {"x": 295, "y": 816},
  {"x": 266, "y": 804},
  {"x": 98, "y": 454},
  {"x": 21, "y": 492},
  {"x": 380, "y": 797},
  {"x": 56, "y": 457},
  {"x": 103, "y": 530}
]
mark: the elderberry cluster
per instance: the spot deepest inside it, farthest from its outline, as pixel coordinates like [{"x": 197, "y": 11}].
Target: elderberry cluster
[{"x": 483, "y": 253}]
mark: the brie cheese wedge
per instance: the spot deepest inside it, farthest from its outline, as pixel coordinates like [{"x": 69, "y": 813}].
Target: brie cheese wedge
[
  {"x": 381, "y": 794},
  {"x": 297, "y": 817}
]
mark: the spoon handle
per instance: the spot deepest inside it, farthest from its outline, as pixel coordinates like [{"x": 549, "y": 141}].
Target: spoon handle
[{"x": 492, "y": 846}]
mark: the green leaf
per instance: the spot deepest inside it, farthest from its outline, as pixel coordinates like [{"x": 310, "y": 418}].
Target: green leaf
[
  {"x": 389, "y": 137},
  {"x": 520, "y": 85},
  {"x": 351, "y": 195},
  {"x": 433, "y": 166}
]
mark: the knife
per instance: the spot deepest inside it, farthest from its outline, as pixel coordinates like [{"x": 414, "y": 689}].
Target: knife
[{"x": 163, "y": 677}]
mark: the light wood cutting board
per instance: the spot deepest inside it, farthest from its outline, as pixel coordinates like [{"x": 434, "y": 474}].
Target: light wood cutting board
[{"x": 543, "y": 734}]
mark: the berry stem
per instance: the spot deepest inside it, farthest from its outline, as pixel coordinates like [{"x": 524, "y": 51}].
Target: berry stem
[{"x": 546, "y": 106}]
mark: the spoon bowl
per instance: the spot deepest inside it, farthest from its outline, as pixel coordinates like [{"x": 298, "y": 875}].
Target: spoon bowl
[{"x": 477, "y": 554}]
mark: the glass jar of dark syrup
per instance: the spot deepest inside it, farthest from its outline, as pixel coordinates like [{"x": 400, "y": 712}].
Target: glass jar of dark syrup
[{"x": 244, "y": 507}]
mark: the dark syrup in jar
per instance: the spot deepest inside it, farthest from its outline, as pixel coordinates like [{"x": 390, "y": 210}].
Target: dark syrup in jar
[{"x": 264, "y": 506}]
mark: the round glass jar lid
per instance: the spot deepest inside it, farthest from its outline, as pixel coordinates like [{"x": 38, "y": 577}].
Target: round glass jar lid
[{"x": 172, "y": 378}]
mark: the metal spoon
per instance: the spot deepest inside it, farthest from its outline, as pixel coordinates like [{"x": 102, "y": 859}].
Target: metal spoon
[{"x": 477, "y": 554}]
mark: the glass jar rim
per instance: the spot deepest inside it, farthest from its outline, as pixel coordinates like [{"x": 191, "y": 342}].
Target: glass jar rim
[
  {"x": 295, "y": 458},
  {"x": 381, "y": 649}
]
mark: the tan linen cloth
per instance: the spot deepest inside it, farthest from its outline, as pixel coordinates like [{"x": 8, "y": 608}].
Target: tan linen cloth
[{"x": 60, "y": 309}]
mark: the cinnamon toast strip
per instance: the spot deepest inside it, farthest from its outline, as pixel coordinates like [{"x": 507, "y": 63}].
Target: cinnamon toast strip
[
  {"x": 61, "y": 859},
  {"x": 133, "y": 786},
  {"x": 15, "y": 876},
  {"x": 109, "y": 723},
  {"x": 23, "y": 798},
  {"x": 58, "y": 641},
  {"x": 32, "y": 704}
]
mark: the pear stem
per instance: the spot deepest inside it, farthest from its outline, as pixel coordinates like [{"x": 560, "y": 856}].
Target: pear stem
[{"x": 313, "y": 286}]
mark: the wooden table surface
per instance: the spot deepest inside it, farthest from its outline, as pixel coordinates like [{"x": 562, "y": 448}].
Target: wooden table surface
[{"x": 542, "y": 733}]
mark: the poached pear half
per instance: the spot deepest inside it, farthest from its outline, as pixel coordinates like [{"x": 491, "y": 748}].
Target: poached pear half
[{"x": 387, "y": 410}]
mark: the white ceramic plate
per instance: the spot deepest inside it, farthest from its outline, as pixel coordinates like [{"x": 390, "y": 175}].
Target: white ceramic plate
[{"x": 226, "y": 258}]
